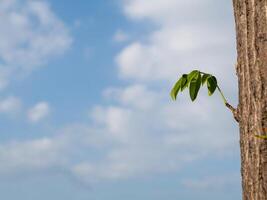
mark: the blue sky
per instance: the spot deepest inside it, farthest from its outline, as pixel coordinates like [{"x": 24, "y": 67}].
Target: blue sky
[{"x": 85, "y": 111}]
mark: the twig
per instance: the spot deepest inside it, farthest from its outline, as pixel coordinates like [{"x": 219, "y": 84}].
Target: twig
[{"x": 233, "y": 110}]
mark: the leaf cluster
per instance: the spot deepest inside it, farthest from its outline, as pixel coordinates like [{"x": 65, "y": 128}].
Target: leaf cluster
[{"x": 194, "y": 80}]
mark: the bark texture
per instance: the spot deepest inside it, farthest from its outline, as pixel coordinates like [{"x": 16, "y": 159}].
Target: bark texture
[{"x": 251, "y": 32}]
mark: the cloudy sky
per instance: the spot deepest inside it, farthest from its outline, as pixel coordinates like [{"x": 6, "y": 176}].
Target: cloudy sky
[{"x": 85, "y": 111}]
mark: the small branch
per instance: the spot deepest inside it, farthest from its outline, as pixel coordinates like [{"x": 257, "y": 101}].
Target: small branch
[
  {"x": 233, "y": 110},
  {"x": 230, "y": 107}
]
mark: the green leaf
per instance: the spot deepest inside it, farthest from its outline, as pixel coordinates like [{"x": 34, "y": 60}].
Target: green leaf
[
  {"x": 204, "y": 78},
  {"x": 191, "y": 75},
  {"x": 195, "y": 86},
  {"x": 212, "y": 84},
  {"x": 184, "y": 82},
  {"x": 176, "y": 89},
  {"x": 261, "y": 136}
]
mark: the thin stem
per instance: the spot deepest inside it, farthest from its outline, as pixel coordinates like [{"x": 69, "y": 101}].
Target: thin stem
[
  {"x": 233, "y": 110},
  {"x": 229, "y": 106},
  {"x": 224, "y": 99}
]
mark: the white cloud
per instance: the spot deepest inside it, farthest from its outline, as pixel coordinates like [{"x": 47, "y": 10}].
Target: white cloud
[
  {"x": 38, "y": 112},
  {"x": 175, "y": 50},
  {"x": 25, "y": 156},
  {"x": 128, "y": 140},
  {"x": 140, "y": 131},
  {"x": 187, "y": 36},
  {"x": 31, "y": 34},
  {"x": 139, "y": 139},
  {"x": 161, "y": 11},
  {"x": 124, "y": 142},
  {"x": 10, "y": 105},
  {"x": 159, "y": 131},
  {"x": 136, "y": 95}
]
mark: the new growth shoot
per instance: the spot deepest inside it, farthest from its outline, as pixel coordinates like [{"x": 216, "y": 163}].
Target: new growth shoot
[{"x": 194, "y": 80}]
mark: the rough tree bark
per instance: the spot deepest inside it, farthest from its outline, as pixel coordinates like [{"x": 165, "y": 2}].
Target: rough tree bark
[{"x": 251, "y": 34}]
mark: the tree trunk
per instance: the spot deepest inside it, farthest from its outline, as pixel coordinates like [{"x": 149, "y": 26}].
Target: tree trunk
[{"x": 251, "y": 26}]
